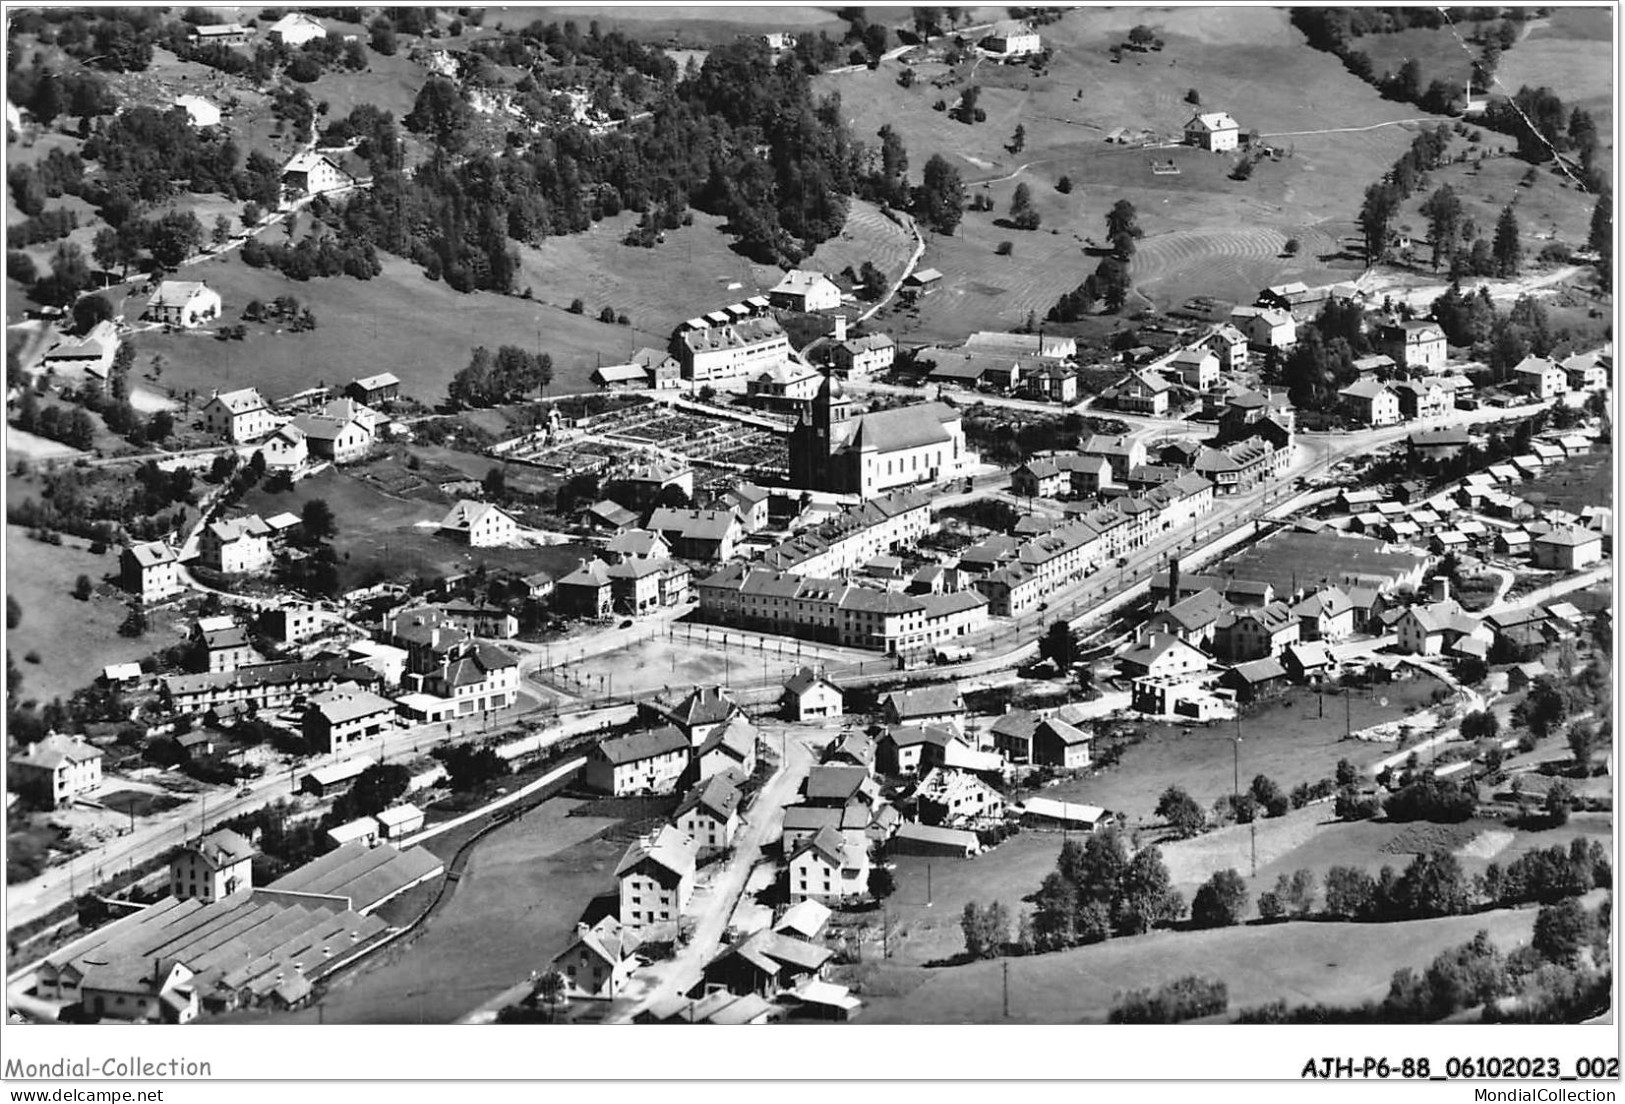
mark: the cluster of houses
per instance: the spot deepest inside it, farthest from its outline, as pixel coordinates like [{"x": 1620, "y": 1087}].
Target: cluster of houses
[{"x": 340, "y": 430}]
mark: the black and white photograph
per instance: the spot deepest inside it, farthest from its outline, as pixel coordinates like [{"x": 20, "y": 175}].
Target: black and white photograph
[{"x": 543, "y": 516}]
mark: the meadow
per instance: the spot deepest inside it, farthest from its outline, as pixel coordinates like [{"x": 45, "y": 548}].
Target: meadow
[{"x": 1569, "y": 51}]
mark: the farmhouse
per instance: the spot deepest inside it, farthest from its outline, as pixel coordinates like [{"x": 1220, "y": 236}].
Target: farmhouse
[
  {"x": 1213, "y": 130},
  {"x": 296, "y": 29},
  {"x": 379, "y": 388},
  {"x": 339, "y": 432},
  {"x": 90, "y": 355},
  {"x": 924, "y": 705},
  {"x": 311, "y": 174},
  {"x": 187, "y": 303},
  {"x": 239, "y": 416},
  {"x": 1012, "y": 38},
  {"x": 227, "y": 34},
  {"x": 922, "y": 281},
  {"x": 1059, "y": 744},
  {"x": 801, "y": 290},
  {"x": 286, "y": 449},
  {"x": 479, "y": 525},
  {"x": 1162, "y": 654}
]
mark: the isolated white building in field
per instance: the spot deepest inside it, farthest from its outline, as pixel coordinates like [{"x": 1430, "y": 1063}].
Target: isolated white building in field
[{"x": 1213, "y": 130}]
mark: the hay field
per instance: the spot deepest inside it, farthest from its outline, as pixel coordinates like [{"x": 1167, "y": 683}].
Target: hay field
[
  {"x": 1570, "y": 52},
  {"x": 1205, "y": 234}
]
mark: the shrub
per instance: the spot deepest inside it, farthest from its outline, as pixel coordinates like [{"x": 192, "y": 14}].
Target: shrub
[
  {"x": 577, "y": 307},
  {"x": 1221, "y": 900},
  {"x": 1005, "y": 249},
  {"x": 1292, "y": 247},
  {"x": 1432, "y": 800},
  {"x": 1186, "y": 998}
]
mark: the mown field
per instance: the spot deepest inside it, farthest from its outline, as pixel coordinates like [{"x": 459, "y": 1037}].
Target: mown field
[
  {"x": 1569, "y": 51},
  {"x": 1205, "y": 234}
]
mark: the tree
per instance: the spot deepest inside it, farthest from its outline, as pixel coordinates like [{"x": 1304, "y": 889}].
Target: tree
[
  {"x": 1561, "y": 929},
  {"x": 1142, "y": 35},
  {"x": 1182, "y": 812},
  {"x": 221, "y": 234},
  {"x": 14, "y": 613},
  {"x": 1347, "y": 773},
  {"x": 441, "y": 113},
  {"x": 1508, "y": 252},
  {"x": 89, "y": 310},
  {"x": 1407, "y": 83},
  {"x": 1444, "y": 213},
  {"x": 1582, "y": 738},
  {"x": 318, "y": 521},
  {"x": 1064, "y": 185},
  {"x": 1542, "y": 708},
  {"x": 1110, "y": 283},
  {"x": 882, "y": 883},
  {"x": 1022, "y": 213},
  {"x": 1350, "y": 893},
  {"x": 83, "y": 588},
  {"x": 495, "y": 484},
  {"x": 251, "y": 215},
  {"x": 1193, "y": 97},
  {"x": 1146, "y": 897},
  {"x": 1220, "y": 902},
  {"x": 1270, "y": 905},
  {"x": 1481, "y": 724},
  {"x": 1018, "y": 140},
  {"x": 1060, "y": 645},
  {"x": 48, "y": 99},
  {"x": 986, "y": 930},
  {"x": 1123, "y": 219},
  {"x": 940, "y": 198},
  {"x": 1269, "y": 796}
]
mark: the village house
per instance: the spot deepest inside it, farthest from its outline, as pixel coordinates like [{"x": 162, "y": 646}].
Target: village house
[
  {"x": 1197, "y": 368},
  {"x": 222, "y": 645},
  {"x": 1433, "y": 628},
  {"x": 88, "y": 357},
  {"x": 1213, "y": 130},
  {"x": 239, "y": 416},
  {"x": 1417, "y": 343},
  {"x": 1012, "y": 735},
  {"x": 340, "y": 432},
  {"x": 1370, "y": 403},
  {"x": 710, "y": 535},
  {"x": 216, "y": 866},
  {"x": 863, "y": 356},
  {"x": 599, "y": 960},
  {"x": 286, "y": 449},
  {"x": 199, "y": 111},
  {"x": 1162, "y": 654},
  {"x": 1541, "y": 377},
  {"x": 1142, "y": 392},
  {"x": 808, "y": 695},
  {"x": 656, "y": 877},
  {"x": 750, "y": 503},
  {"x": 479, "y": 525},
  {"x": 827, "y": 869},
  {"x": 477, "y": 677},
  {"x": 912, "y": 748},
  {"x": 1423, "y": 399},
  {"x": 55, "y": 770},
  {"x": 1191, "y": 619},
  {"x": 801, "y": 290},
  {"x": 1040, "y": 477},
  {"x": 640, "y": 762},
  {"x": 343, "y": 718},
  {"x": 760, "y": 966},
  {"x": 313, "y": 173},
  {"x": 1585, "y": 372},
  {"x": 1245, "y": 633},
  {"x": 954, "y": 798},
  {"x": 1325, "y": 614},
  {"x": 731, "y": 747},
  {"x": 1439, "y": 444},
  {"x": 1567, "y": 549},
  {"x": 1230, "y": 345},
  {"x": 584, "y": 592},
  {"x": 226, "y": 34},
  {"x": 371, "y": 390},
  {"x": 1266, "y": 327},
  {"x": 186, "y": 303},
  {"x": 928, "y": 705},
  {"x": 1057, "y": 743},
  {"x": 399, "y": 821},
  {"x": 709, "y": 813},
  {"x": 236, "y": 547},
  {"x": 151, "y": 571}
]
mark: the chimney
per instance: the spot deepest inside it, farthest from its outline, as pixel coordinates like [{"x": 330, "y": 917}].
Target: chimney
[
  {"x": 1441, "y": 588},
  {"x": 840, "y": 328}
]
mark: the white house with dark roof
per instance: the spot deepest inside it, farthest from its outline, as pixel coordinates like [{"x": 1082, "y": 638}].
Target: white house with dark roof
[
  {"x": 341, "y": 431},
  {"x": 803, "y": 290},
  {"x": 236, "y": 546},
  {"x": 344, "y": 717},
  {"x": 863, "y": 356},
  {"x": 187, "y": 303},
  {"x": 1230, "y": 345},
  {"x": 697, "y": 534},
  {"x": 808, "y": 695},
  {"x": 1567, "y": 549},
  {"x": 295, "y": 29},
  {"x": 1266, "y": 327},
  {"x": 656, "y": 877},
  {"x": 311, "y": 173},
  {"x": 1414, "y": 343},
  {"x": 1541, "y": 376},
  {"x": 636, "y": 763},
  {"x": 1370, "y": 403},
  {"x": 479, "y": 525},
  {"x": 709, "y": 813},
  {"x": 286, "y": 449},
  {"x": 1213, "y": 130},
  {"x": 828, "y": 869},
  {"x": 216, "y": 866},
  {"x": 239, "y": 416},
  {"x": 1012, "y": 38},
  {"x": 56, "y": 770},
  {"x": 151, "y": 571},
  {"x": 599, "y": 960}
]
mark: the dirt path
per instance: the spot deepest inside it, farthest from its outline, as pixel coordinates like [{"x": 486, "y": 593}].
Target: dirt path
[{"x": 1354, "y": 130}]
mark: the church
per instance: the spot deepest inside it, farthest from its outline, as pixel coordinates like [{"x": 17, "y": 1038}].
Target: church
[{"x": 835, "y": 448}]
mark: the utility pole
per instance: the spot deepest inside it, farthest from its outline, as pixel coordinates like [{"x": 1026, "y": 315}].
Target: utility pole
[{"x": 927, "y": 885}]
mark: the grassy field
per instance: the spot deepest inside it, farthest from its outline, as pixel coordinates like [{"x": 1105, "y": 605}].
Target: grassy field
[
  {"x": 514, "y": 909},
  {"x": 1286, "y": 738},
  {"x": 1576, "y": 483},
  {"x": 688, "y": 25},
  {"x": 74, "y": 640},
  {"x": 1570, "y": 52},
  {"x": 1205, "y": 234},
  {"x": 1299, "y": 962},
  {"x": 1435, "y": 49},
  {"x": 379, "y": 532}
]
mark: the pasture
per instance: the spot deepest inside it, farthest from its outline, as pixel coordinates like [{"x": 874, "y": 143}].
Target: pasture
[
  {"x": 709, "y": 26},
  {"x": 1292, "y": 738},
  {"x": 74, "y": 640},
  {"x": 1204, "y": 232},
  {"x": 1339, "y": 963},
  {"x": 1569, "y": 51}
]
